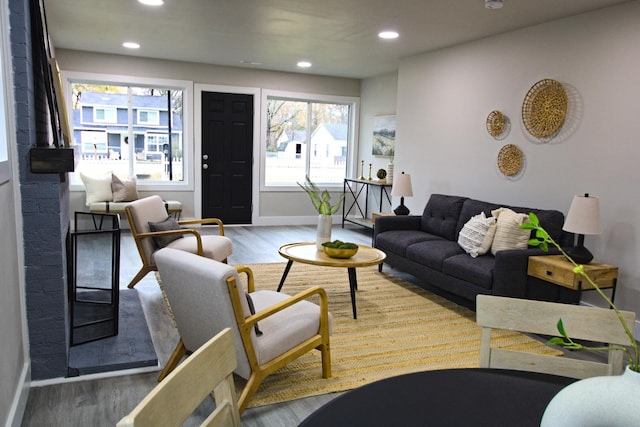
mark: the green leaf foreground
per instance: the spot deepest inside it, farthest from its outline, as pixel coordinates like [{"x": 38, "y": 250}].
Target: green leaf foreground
[
  {"x": 543, "y": 240},
  {"x": 321, "y": 199}
]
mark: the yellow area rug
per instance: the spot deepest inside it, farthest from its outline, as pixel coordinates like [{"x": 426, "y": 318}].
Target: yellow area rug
[{"x": 400, "y": 328}]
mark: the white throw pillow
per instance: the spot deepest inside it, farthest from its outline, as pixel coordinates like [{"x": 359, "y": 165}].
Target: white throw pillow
[
  {"x": 97, "y": 189},
  {"x": 477, "y": 234},
  {"x": 508, "y": 232}
]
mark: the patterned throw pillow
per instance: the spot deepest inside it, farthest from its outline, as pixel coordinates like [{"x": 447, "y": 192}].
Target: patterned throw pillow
[
  {"x": 508, "y": 232},
  {"x": 477, "y": 234}
]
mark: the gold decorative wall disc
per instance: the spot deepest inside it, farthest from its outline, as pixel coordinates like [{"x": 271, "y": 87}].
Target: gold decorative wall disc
[
  {"x": 544, "y": 108},
  {"x": 495, "y": 123},
  {"x": 510, "y": 160}
]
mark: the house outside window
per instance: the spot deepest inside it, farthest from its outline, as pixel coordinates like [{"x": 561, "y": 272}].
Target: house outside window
[
  {"x": 147, "y": 117},
  {"x": 105, "y": 115},
  {"x": 307, "y": 135},
  {"x": 128, "y": 130}
]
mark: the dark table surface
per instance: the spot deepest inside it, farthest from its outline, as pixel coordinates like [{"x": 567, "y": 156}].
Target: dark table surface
[{"x": 450, "y": 397}]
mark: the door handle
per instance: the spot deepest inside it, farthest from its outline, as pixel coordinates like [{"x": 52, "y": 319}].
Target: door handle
[
  {"x": 205, "y": 166},
  {"x": 205, "y": 157}
]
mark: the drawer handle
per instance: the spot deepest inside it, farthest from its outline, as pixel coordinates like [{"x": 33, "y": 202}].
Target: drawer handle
[{"x": 549, "y": 273}]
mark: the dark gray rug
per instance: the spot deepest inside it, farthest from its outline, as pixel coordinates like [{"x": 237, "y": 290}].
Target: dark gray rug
[{"x": 131, "y": 348}]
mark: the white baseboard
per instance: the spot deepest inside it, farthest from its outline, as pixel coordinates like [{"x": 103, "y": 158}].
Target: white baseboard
[
  {"x": 293, "y": 220},
  {"x": 89, "y": 377},
  {"x": 19, "y": 404}
]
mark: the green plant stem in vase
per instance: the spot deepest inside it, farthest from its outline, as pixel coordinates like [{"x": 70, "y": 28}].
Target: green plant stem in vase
[{"x": 543, "y": 240}]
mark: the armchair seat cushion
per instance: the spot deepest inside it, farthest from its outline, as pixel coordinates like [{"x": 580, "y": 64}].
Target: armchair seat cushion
[
  {"x": 214, "y": 247},
  {"x": 285, "y": 329}
]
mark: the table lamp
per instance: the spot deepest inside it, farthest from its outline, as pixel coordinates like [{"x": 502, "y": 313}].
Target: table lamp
[
  {"x": 402, "y": 187},
  {"x": 583, "y": 218}
]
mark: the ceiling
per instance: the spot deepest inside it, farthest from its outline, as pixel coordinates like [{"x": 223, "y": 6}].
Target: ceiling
[{"x": 339, "y": 37}]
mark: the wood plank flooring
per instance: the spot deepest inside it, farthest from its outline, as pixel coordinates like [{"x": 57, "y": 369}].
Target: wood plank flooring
[{"x": 104, "y": 401}]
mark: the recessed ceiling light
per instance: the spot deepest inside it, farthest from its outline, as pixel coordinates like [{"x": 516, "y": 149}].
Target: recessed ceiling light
[
  {"x": 131, "y": 45},
  {"x": 152, "y": 2},
  {"x": 304, "y": 64},
  {"x": 249, "y": 62},
  {"x": 388, "y": 35},
  {"x": 493, "y": 4}
]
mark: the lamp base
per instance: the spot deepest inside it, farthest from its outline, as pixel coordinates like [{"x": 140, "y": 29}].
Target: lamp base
[
  {"x": 580, "y": 254},
  {"x": 401, "y": 210}
]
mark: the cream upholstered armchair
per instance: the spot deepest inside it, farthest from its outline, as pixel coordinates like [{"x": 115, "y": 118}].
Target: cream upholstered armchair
[
  {"x": 207, "y": 296},
  {"x": 152, "y": 228}
]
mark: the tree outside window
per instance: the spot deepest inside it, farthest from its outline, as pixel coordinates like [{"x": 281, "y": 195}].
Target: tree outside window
[{"x": 306, "y": 138}]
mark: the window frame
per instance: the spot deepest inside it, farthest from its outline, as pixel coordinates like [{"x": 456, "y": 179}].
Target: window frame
[
  {"x": 354, "y": 114},
  {"x": 186, "y": 86}
]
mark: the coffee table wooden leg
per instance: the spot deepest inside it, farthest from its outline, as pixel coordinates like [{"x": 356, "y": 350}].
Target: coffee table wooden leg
[
  {"x": 284, "y": 275},
  {"x": 353, "y": 286}
]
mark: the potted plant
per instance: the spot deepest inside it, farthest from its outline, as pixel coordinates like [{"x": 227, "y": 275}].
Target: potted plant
[
  {"x": 322, "y": 202},
  {"x": 608, "y": 400}
]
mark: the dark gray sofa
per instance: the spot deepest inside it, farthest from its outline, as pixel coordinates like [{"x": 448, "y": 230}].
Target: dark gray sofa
[{"x": 426, "y": 247}]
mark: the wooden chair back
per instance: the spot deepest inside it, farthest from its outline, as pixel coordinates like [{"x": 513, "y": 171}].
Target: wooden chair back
[
  {"x": 208, "y": 370},
  {"x": 598, "y": 325}
]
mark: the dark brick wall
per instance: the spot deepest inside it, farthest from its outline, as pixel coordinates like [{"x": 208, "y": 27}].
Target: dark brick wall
[{"x": 45, "y": 213}]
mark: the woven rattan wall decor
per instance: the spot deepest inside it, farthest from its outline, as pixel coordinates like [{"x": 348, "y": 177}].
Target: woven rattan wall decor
[
  {"x": 544, "y": 108},
  {"x": 496, "y": 123},
  {"x": 510, "y": 160}
]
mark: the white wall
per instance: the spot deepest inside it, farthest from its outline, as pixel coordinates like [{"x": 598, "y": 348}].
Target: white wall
[
  {"x": 444, "y": 98},
  {"x": 274, "y": 207}
]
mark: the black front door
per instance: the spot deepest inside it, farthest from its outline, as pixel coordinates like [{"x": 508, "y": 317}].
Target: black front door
[{"x": 227, "y": 150}]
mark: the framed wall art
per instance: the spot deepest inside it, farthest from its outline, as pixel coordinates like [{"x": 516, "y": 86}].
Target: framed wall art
[{"x": 384, "y": 136}]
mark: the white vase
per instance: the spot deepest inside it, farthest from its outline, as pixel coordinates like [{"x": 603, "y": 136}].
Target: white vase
[
  {"x": 610, "y": 401},
  {"x": 324, "y": 230}
]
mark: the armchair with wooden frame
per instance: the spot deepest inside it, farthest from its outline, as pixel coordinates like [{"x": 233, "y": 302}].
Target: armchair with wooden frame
[
  {"x": 151, "y": 210},
  {"x": 598, "y": 325},
  {"x": 271, "y": 329},
  {"x": 209, "y": 370}
]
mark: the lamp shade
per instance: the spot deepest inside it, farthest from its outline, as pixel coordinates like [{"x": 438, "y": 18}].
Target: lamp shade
[
  {"x": 583, "y": 216},
  {"x": 402, "y": 185}
]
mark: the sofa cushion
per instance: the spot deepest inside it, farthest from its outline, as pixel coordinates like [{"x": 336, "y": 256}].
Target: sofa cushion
[
  {"x": 398, "y": 241},
  {"x": 551, "y": 220},
  {"x": 472, "y": 207},
  {"x": 508, "y": 233},
  {"x": 441, "y": 214},
  {"x": 433, "y": 253},
  {"x": 477, "y": 234},
  {"x": 478, "y": 271}
]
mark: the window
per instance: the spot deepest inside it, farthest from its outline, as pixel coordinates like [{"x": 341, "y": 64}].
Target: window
[
  {"x": 130, "y": 129},
  {"x": 311, "y": 135},
  {"x": 105, "y": 115},
  {"x": 5, "y": 102},
  {"x": 146, "y": 117}
]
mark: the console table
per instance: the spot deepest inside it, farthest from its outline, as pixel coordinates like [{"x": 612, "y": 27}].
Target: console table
[{"x": 356, "y": 188}]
